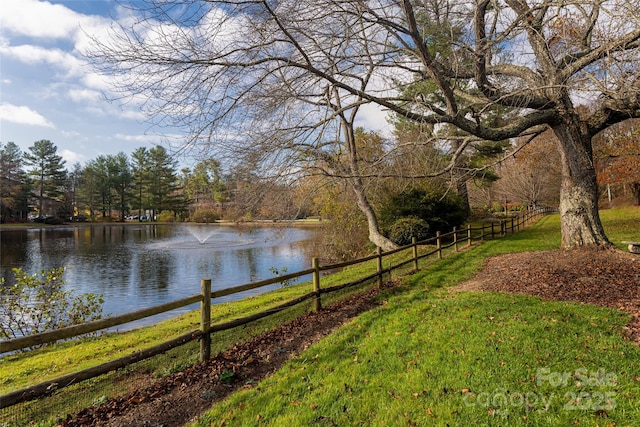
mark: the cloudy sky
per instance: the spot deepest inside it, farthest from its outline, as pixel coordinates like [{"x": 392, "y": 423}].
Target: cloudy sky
[{"x": 47, "y": 90}]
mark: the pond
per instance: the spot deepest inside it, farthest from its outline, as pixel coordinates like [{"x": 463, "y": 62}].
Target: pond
[{"x": 137, "y": 266}]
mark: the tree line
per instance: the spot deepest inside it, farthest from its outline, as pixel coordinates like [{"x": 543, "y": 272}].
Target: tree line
[
  {"x": 149, "y": 182},
  {"x": 146, "y": 185},
  {"x": 39, "y": 186}
]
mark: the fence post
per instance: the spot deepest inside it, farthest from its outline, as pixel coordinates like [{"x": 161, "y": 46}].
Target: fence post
[
  {"x": 414, "y": 242},
  {"x": 379, "y": 266},
  {"x": 316, "y": 283},
  {"x": 205, "y": 319},
  {"x": 439, "y": 244},
  {"x": 503, "y": 227},
  {"x": 493, "y": 233},
  {"x": 469, "y": 235},
  {"x": 455, "y": 238}
]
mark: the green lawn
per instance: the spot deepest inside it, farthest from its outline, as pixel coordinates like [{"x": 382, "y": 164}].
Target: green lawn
[{"x": 433, "y": 357}]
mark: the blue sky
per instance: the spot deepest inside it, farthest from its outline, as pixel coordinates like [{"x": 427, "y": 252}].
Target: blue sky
[{"x": 47, "y": 90}]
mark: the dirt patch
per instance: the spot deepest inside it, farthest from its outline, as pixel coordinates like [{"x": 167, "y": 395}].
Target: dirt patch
[
  {"x": 178, "y": 398},
  {"x": 609, "y": 278}
]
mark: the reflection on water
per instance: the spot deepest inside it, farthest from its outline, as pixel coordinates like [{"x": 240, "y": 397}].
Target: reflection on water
[{"x": 141, "y": 265}]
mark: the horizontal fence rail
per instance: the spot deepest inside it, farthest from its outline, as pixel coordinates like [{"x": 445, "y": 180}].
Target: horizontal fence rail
[
  {"x": 93, "y": 326},
  {"x": 439, "y": 242}
]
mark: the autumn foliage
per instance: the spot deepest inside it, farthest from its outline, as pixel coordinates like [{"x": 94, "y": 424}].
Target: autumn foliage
[{"x": 617, "y": 157}]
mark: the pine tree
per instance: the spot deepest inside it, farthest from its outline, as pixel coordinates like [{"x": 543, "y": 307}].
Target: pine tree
[
  {"x": 48, "y": 171},
  {"x": 14, "y": 184}
]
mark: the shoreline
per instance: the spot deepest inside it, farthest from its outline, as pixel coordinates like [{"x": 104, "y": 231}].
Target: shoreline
[{"x": 262, "y": 223}]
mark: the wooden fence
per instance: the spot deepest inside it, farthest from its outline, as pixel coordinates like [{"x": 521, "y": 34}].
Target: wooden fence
[{"x": 454, "y": 239}]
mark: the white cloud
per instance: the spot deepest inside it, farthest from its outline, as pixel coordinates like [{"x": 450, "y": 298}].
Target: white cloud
[
  {"x": 97, "y": 81},
  {"x": 132, "y": 115},
  {"x": 23, "y": 115},
  {"x": 372, "y": 117},
  {"x": 92, "y": 28},
  {"x": 39, "y": 19},
  {"x": 70, "y": 134},
  {"x": 46, "y": 25},
  {"x": 143, "y": 138},
  {"x": 31, "y": 54},
  {"x": 83, "y": 95},
  {"x": 71, "y": 157}
]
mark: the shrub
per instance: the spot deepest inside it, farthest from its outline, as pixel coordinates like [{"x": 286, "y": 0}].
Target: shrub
[
  {"x": 404, "y": 229},
  {"x": 166, "y": 216},
  {"x": 205, "y": 216},
  {"x": 37, "y": 303},
  {"x": 441, "y": 211},
  {"x": 50, "y": 220}
]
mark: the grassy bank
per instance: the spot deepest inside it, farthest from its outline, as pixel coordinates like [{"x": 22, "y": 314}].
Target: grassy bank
[{"x": 433, "y": 357}]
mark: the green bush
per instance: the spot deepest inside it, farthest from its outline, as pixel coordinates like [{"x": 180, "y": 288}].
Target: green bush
[
  {"x": 37, "y": 303},
  {"x": 441, "y": 211},
  {"x": 404, "y": 229},
  {"x": 166, "y": 216},
  {"x": 205, "y": 216}
]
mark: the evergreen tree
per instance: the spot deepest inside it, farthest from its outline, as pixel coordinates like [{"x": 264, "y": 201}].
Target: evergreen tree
[
  {"x": 48, "y": 171},
  {"x": 163, "y": 182},
  {"x": 140, "y": 167},
  {"x": 98, "y": 173},
  {"x": 88, "y": 193},
  {"x": 122, "y": 180},
  {"x": 204, "y": 186},
  {"x": 14, "y": 184},
  {"x": 73, "y": 185}
]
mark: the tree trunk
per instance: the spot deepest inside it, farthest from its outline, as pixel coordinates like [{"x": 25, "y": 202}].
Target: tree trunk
[
  {"x": 579, "y": 216},
  {"x": 375, "y": 236},
  {"x": 635, "y": 190},
  {"x": 460, "y": 179},
  {"x": 357, "y": 185},
  {"x": 463, "y": 192},
  {"x": 41, "y": 197}
]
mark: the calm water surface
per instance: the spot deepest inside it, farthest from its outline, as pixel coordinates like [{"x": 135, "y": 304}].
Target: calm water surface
[{"x": 141, "y": 265}]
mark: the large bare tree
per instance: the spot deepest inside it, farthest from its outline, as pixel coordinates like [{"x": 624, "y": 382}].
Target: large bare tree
[{"x": 284, "y": 81}]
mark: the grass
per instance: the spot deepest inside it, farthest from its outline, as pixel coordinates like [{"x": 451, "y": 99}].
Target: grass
[
  {"x": 464, "y": 359},
  {"x": 621, "y": 225},
  {"x": 433, "y": 357}
]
